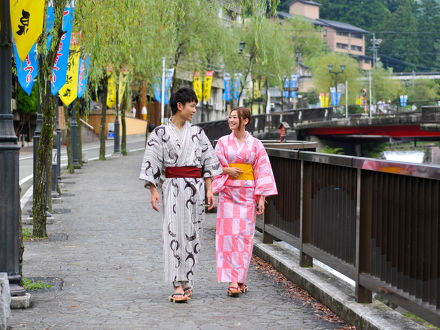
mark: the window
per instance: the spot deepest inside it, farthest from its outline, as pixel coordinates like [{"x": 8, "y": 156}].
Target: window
[
  {"x": 342, "y": 46},
  {"x": 342, "y": 33},
  {"x": 356, "y": 48},
  {"x": 357, "y": 35}
]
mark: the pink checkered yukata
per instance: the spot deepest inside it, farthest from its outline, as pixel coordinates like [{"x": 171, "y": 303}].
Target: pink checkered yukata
[{"x": 237, "y": 203}]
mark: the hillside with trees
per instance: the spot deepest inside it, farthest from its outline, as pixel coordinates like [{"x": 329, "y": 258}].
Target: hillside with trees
[{"x": 408, "y": 29}]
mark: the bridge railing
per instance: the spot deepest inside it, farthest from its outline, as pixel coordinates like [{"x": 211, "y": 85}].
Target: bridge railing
[
  {"x": 374, "y": 221},
  {"x": 263, "y": 123}
]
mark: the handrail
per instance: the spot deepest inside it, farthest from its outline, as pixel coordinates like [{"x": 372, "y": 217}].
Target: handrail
[{"x": 375, "y": 221}]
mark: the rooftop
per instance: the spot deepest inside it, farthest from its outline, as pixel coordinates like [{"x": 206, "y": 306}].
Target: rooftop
[{"x": 307, "y": 2}]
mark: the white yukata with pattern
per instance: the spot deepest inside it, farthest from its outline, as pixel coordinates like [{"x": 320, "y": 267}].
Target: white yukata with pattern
[{"x": 183, "y": 199}]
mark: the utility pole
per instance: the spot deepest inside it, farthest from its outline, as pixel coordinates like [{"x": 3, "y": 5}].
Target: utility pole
[
  {"x": 162, "y": 98},
  {"x": 9, "y": 170},
  {"x": 375, "y": 43}
]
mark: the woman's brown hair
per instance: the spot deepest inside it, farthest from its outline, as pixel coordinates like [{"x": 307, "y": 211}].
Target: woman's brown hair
[{"x": 243, "y": 113}]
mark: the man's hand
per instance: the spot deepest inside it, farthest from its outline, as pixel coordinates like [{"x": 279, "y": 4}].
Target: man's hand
[
  {"x": 210, "y": 199},
  {"x": 155, "y": 198}
]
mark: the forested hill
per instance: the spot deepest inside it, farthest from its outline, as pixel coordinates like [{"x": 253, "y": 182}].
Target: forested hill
[{"x": 409, "y": 29}]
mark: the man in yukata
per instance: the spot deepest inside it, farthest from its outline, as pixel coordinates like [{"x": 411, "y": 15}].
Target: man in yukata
[{"x": 178, "y": 166}]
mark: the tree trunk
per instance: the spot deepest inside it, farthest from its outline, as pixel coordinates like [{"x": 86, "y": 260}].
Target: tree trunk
[
  {"x": 103, "y": 120},
  {"x": 124, "y": 126},
  {"x": 267, "y": 95},
  {"x": 70, "y": 167},
  {"x": 43, "y": 166},
  {"x": 79, "y": 104}
]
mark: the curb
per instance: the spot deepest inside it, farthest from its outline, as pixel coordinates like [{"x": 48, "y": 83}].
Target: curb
[{"x": 332, "y": 291}]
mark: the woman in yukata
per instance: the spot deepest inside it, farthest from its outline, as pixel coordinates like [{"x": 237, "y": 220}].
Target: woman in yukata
[{"x": 242, "y": 188}]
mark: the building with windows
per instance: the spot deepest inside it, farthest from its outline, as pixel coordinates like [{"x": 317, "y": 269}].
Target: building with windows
[{"x": 340, "y": 37}]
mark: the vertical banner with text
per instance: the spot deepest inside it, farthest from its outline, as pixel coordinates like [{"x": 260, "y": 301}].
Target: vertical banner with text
[
  {"x": 59, "y": 70},
  {"x": 83, "y": 75},
  {"x": 69, "y": 91},
  {"x": 227, "y": 87},
  {"x": 123, "y": 78},
  {"x": 207, "y": 85},
  {"x": 197, "y": 85},
  {"x": 27, "y": 70},
  {"x": 27, "y": 17},
  {"x": 111, "y": 88}
]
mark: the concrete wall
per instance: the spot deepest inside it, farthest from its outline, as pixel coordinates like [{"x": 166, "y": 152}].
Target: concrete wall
[
  {"x": 134, "y": 125},
  {"x": 310, "y": 11}
]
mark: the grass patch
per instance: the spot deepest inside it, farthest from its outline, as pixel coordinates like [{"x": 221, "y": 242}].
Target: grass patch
[
  {"x": 27, "y": 234},
  {"x": 30, "y": 285},
  {"x": 420, "y": 320}
]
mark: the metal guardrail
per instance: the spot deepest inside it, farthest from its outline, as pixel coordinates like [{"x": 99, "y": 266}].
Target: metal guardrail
[{"x": 376, "y": 222}]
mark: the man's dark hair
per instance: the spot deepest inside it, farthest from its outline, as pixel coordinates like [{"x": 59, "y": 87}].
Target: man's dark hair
[{"x": 183, "y": 95}]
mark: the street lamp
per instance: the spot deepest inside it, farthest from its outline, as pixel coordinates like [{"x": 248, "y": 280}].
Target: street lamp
[
  {"x": 336, "y": 74},
  {"x": 9, "y": 151}
]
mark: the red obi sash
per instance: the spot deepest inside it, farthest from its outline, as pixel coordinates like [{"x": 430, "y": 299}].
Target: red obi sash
[{"x": 183, "y": 172}]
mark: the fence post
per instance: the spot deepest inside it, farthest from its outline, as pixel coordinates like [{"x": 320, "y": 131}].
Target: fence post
[
  {"x": 364, "y": 206},
  {"x": 305, "y": 213},
  {"x": 267, "y": 238}
]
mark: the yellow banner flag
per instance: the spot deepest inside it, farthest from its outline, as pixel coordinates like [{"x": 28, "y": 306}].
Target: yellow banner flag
[
  {"x": 197, "y": 85},
  {"x": 111, "y": 90},
  {"x": 207, "y": 84},
  {"x": 27, "y": 17},
  {"x": 123, "y": 77},
  {"x": 69, "y": 91},
  {"x": 257, "y": 89}
]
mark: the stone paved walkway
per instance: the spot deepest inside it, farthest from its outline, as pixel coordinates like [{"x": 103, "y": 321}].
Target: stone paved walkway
[{"x": 111, "y": 266}]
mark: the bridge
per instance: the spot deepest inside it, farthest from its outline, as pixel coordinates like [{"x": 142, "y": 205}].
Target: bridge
[
  {"x": 330, "y": 124},
  {"x": 377, "y": 222}
]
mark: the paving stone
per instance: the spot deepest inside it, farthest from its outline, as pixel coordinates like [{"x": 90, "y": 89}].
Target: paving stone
[{"x": 112, "y": 270}]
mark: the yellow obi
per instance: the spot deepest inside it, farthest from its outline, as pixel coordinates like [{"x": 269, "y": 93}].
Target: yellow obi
[{"x": 248, "y": 171}]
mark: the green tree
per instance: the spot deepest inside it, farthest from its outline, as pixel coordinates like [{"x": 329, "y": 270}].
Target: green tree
[
  {"x": 400, "y": 46},
  {"x": 323, "y": 79},
  {"x": 383, "y": 86},
  {"x": 423, "y": 91},
  {"x": 42, "y": 173}
]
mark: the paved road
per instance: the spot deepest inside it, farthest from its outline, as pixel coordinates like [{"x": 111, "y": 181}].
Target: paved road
[
  {"x": 111, "y": 267},
  {"x": 90, "y": 151}
]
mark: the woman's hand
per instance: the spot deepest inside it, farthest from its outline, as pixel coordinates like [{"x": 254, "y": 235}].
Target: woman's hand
[
  {"x": 232, "y": 171},
  {"x": 260, "y": 205},
  {"x": 155, "y": 198}
]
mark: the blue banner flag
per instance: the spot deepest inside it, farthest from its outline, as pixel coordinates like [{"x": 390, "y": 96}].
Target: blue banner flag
[
  {"x": 286, "y": 88},
  {"x": 84, "y": 66},
  {"x": 50, "y": 21},
  {"x": 227, "y": 87},
  {"x": 27, "y": 70},
  {"x": 403, "y": 100},
  {"x": 293, "y": 85},
  {"x": 157, "y": 86},
  {"x": 59, "y": 70},
  {"x": 236, "y": 86},
  {"x": 335, "y": 97}
]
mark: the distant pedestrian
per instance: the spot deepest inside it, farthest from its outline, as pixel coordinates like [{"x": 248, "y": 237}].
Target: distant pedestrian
[
  {"x": 133, "y": 112},
  {"x": 184, "y": 155},
  {"x": 246, "y": 181}
]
